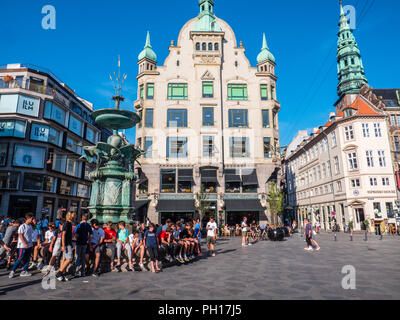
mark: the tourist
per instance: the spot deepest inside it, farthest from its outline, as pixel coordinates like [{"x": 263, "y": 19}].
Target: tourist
[
  {"x": 138, "y": 247},
  {"x": 176, "y": 243},
  {"x": 24, "y": 246},
  {"x": 36, "y": 239},
  {"x": 314, "y": 241},
  {"x": 48, "y": 237},
  {"x": 197, "y": 235},
  {"x": 123, "y": 243},
  {"x": 245, "y": 236},
  {"x": 152, "y": 245},
  {"x": 184, "y": 236},
  {"x": 95, "y": 246},
  {"x": 5, "y": 222},
  {"x": 44, "y": 226},
  {"x": 83, "y": 233},
  {"x": 308, "y": 234},
  {"x": 66, "y": 246},
  {"x": 109, "y": 240},
  {"x": 211, "y": 236},
  {"x": 165, "y": 241},
  {"x": 8, "y": 244},
  {"x": 55, "y": 248}
]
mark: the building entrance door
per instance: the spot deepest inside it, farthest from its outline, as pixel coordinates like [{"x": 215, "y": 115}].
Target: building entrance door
[{"x": 360, "y": 217}]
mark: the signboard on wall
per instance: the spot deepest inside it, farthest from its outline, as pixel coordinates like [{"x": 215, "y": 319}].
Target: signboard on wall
[
  {"x": 28, "y": 106},
  {"x": 40, "y": 132}
]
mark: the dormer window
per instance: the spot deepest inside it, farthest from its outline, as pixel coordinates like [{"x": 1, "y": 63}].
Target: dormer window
[{"x": 348, "y": 112}]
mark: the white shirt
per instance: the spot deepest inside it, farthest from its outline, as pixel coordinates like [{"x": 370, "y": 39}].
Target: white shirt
[
  {"x": 27, "y": 233},
  {"x": 49, "y": 235},
  {"x": 213, "y": 226},
  {"x": 131, "y": 238},
  {"x": 244, "y": 226}
]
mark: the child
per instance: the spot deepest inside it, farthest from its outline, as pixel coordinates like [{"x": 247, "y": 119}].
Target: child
[
  {"x": 137, "y": 245},
  {"x": 151, "y": 242},
  {"x": 123, "y": 242}
]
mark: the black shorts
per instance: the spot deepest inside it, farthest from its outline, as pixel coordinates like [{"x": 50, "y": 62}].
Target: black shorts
[{"x": 153, "y": 252}]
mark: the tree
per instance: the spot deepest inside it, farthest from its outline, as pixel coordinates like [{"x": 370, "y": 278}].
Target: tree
[
  {"x": 275, "y": 200},
  {"x": 202, "y": 205}
]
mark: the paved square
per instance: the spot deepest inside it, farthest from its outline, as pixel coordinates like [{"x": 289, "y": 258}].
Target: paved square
[{"x": 266, "y": 270}]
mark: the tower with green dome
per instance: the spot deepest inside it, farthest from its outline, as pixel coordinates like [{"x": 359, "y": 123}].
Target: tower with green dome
[
  {"x": 147, "y": 59},
  {"x": 349, "y": 64},
  {"x": 207, "y": 21},
  {"x": 265, "y": 59}
]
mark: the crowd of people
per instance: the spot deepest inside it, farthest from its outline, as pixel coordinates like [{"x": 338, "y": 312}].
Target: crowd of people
[{"x": 23, "y": 241}]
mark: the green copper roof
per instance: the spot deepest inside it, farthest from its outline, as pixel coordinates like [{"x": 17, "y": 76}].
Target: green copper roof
[
  {"x": 207, "y": 21},
  {"x": 351, "y": 73},
  {"x": 265, "y": 54},
  {"x": 148, "y": 51}
]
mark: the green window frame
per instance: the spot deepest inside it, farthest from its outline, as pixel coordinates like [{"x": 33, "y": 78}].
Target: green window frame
[
  {"x": 177, "y": 91},
  {"x": 264, "y": 92},
  {"x": 208, "y": 89},
  {"x": 141, "y": 91},
  {"x": 237, "y": 91},
  {"x": 150, "y": 91}
]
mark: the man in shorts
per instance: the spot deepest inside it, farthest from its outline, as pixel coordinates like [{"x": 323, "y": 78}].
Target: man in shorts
[
  {"x": 83, "y": 234},
  {"x": 211, "y": 235},
  {"x": 8, "y": 246},
  {"x": 66, "y": 247},
  {"x": 109, "y": 240},
  {"x": 95, "y": 246},
  {"x": 245, "y": 233}
]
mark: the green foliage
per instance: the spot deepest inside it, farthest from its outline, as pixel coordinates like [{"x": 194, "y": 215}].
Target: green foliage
[
  {"x": 351, "y": 225},
  {"x": 202, "y": 205},
  {"x": 366, "y": 223},
  {"x": 275, "y": 200}
]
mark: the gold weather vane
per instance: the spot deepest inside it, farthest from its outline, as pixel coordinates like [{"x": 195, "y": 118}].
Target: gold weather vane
[{"x": 118, "y": 82}]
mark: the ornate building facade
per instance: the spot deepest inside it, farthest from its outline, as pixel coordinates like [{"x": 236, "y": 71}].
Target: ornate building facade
[{"x": 209, "y": 125}]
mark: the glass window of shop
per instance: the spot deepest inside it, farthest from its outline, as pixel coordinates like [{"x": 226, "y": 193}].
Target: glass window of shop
[
  {"x": 39, "y": 182},
  {"x": 44, "y": 133},
  {"x": 26, "y": 156},
  {"x": 73, "y": 168},
  {"x": 67, "y": 187},
  {"x": 9, "y": 180},
  {"x": 73, "y": 145},
  {"x": 54, "y": 112},
  {"x": 75, "y": 125},
  {"x": 90, "y": 135},
  {"x": 12, "y": 128},
  {"x": 168, "y": 179},
  {"x": 3, "y": 154},
  {"x": 59, "y": 162},
  {"x": 83, "y": 191}
]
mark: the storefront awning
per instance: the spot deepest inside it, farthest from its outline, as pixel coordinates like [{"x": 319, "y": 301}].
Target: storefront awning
[
  {"x": 250, "y": 179},
  {"x": 209, "y": 175},
  {"x": 140, "y": 203},
  {"x": 243, "y": 205},
  {"x": 185, "y": 175},
  {"x": 232, "y": 178},
  {"x": 175, "y": 206}
]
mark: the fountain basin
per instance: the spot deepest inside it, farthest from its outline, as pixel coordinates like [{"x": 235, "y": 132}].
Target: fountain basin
[{"x": 115, "y": 118}]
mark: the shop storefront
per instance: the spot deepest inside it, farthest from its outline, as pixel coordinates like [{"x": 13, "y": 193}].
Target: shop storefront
[
  {"x": 19, "y": 206},
  {"x": 176, "y": 210},
  {"x": 237, "y": 209}
]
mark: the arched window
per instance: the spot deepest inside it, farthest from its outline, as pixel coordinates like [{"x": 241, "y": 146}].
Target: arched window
[
  {"x": 204, "y": 46},
  {"x": 216, "y": 46},
  {"x": 177, "y": 63},
  {"x": 198, "y": 46},
  {"x": 147, "y": 66},
  {"x": 210, "y": 47}
]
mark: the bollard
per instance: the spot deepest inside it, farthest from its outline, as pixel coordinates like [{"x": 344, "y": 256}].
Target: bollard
[
  {"x": 335, "y": 237},
  {"x": 351, "y": 237},
  {"x": 366, "y": 237}
]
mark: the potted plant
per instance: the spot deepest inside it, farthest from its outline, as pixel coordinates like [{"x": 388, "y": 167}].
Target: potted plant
[{"x": 366, "y": 224}]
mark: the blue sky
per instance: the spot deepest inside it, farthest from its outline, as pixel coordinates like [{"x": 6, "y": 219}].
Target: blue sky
[{"x": 302, "y": 35}]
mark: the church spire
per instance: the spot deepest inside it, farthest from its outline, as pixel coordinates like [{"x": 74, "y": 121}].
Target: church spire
[{"x": 351, "y": 73}]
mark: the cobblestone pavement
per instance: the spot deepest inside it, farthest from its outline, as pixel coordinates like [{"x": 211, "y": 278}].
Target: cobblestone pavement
[{"x": 266, "y": 270}]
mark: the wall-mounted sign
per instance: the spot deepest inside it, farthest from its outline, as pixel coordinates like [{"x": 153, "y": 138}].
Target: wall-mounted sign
[
  {"x": 40, "y": 132},
  {"x": 28, "y": 106}
]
